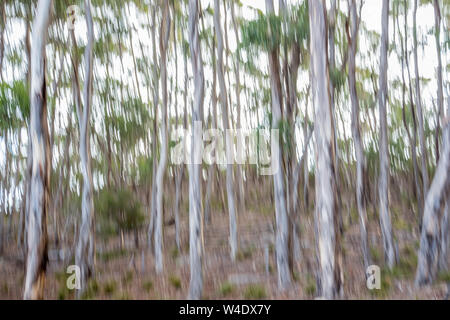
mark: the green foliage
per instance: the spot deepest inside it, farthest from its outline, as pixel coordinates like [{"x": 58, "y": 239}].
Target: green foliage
[
  {"x": 175, "y": 282},
  {"x": 110, "y": 287},
  {"x": 15, "y": 103},
  {"x": 263, "y": 32},
  {"x": 113, "y": 254},
  {"x": 226, "y": 289},
  {"x": 121, "y": 207},
  {"x": 255, "y": 291},
  {"x": 147, "y": 285},
  {"x": 91, "y": 290}
]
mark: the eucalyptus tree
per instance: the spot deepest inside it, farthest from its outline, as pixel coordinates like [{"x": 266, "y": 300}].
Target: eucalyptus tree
[
  {"x": 40, "y": 151},
  {"x": 237, "y": 61},
  {"x": 226, "y": 127},
  {"x": 435, "y": 219},
  {"x": 326, "y": 202},
  {"x": 432, "y": 254},
  {"x": 85, "y": 249},
  {"x": 412, "y": 138},
  {"x": 162, "y": 163},
  {"x": 440, "y": 94},
  {"x": 383, "y": 182},
  {"x": 281, "y": 214},
  {"x": 422, "y": 142},
  {"x": 195, "y": 192},
  {"x": 356, "y": 131},
  {"x": 2, "y": 36}
]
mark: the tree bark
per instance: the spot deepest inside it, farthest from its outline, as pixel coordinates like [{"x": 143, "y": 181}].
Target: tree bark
[
  {"x": 164, "y": 40},
  {"x": 431, "y": 240},
  {"x": 195, "y": 196},
  {"x": 422, "y": 142},
  {"x": 440, "y": 94},
  {"x": 326, "y": 201},
  {"x": 85, "y": 250},
  {"x": 226, "y": 127},
  {"x": 356, "y": 133},
  {"x": 240, "y": 173},
  {"x": 40, "y": 175},
  {"x": 383, "y": 183}
]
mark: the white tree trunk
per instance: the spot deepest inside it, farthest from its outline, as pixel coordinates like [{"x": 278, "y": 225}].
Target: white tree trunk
[
  {"x": 434, "y": 235},
  {"x": 383, "y": 187},
  {"x": 326, "y": 202},
  {"x": 164, "y": 40},
  {"x": 84, "y": 253},
  {"x": 40, "y": 175},
  {"x": 356, "y": 132},
  {"x": 226, "y": 126},
  {"x": 195, "y": 195},
  {"x": 282, "y": 223},
  {"x": 422, "y": 142}
]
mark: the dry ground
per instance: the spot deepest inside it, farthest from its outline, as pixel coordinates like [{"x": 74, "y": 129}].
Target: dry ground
[{"x": 128, "y": 273}]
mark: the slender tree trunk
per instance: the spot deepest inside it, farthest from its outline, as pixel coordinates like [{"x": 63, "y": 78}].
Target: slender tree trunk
[
  {"x": 412, "y": 140},
  {"x": 39, "y": 185},
  {"x": 226, "y": 127},
  {"x": 383, "y": 181},
  {"x": 180, "y": 169},
  {"x": 164, "y": 40},
  {"x": 422, "y": 142},
  {"x": 151, "y": 227},
  {"x": 239, "y": 176},
  {"x": 84, "y": 253},
  {"x": 211, "y": 168},
  {"x": 356, "y": 132},
  {"x": 326, "y": 201},
  {"x": 281, "y": 214},
  {"x": 440, "y": 94},
  {"x": 431, "y": 239},
  {"x": 195, "y": 196},
  {"x": 2, "y": 36},
  {"x": 445, "y": 226}
]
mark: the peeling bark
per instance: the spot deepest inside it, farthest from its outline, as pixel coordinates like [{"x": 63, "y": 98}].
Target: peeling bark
[
  {"x": 326, "y": 202},
  {"x": 40, "y": 175}
]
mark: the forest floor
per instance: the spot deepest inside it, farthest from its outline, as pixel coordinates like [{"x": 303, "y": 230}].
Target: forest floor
[{"x": 128, "y": 272}]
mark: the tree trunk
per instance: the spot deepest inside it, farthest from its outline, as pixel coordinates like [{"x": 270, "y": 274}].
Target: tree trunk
[
  {"x": 226, "y": 127},
  {"x": 422, "y": 142},
  {"x": 84, "y": 254},
  {"x": 151, "y": 226},
  {"x": 281, "y": 214},
  {"x": 164, "y": 40},
  {"x": 211, "y": 168},
  {"x": 383, "y": 187},
  {"x": 195, "y": 196},
  {"x": 326, "y": 201},
  {"x": 432, "y": 223},
  {"x": 36, "y": 262},
  {"x": 239, "y": 175},
  {"x": 2, "y": 37},
  {"x": 440, "y": 94},
  {"x": 356, "y": 133}
]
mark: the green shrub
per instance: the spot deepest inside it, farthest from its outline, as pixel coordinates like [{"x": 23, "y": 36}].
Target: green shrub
[
  {"x": 175, "y": 282},
  {"x": 255, "y": 292},
  {"x": 110, "y": 287},
  {"x": 226, "y": 289}
]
